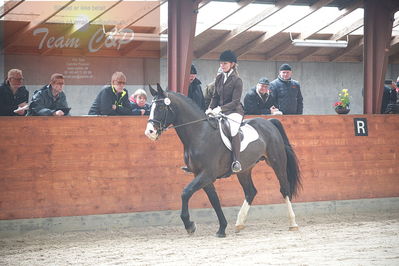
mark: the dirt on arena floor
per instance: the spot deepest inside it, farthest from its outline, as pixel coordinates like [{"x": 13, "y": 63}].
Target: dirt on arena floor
[{"x": 366, "y": 239}]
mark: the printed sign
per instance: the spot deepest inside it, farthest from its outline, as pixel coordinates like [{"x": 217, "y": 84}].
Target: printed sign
[{"x": 360, "y": 126}]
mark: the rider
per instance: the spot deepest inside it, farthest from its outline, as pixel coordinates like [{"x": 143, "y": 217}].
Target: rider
[{"x": 226, "y": 99}]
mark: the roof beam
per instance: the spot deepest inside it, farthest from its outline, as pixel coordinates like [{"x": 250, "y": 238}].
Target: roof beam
[
  {"x": 9, "y": 6},
  {"x": 341, "y": 52},
  {"x": 244, "y": 27},
  {"x": 240, "y": 6},
  {"x": 16, "y": 36},
  {"x": 268, "y": 35},
  {"x": 343, "y": 32},
  {"x": 279, "y": 49},
  {"x": 344, "y": 13}
]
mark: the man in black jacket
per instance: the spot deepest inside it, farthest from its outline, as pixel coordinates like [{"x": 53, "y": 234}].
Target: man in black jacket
[
  {"x": 194, "y": 90},
  {"x": 389, "y": 96},
  {"x": 113, "y": 99},
  {"x": 50, "y": 100},
  {"x": 259, "y": 100},
  {"x": 287, "y": 92},
  {"x": 13, "y": 96}
]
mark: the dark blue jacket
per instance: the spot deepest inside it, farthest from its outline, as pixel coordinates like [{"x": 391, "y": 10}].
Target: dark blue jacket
[
  {"x": 254, "y": 104},
  {"x": 288, "y": 96},
  {"x": 9, "y": 101},
  {"x": 136, "y": 110}
]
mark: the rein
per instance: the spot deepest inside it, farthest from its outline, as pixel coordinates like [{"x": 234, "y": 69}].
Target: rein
[{"x": 164, "y": 128}]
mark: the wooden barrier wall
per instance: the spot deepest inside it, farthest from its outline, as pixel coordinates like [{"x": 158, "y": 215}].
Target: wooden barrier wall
[{"x": 66, "y": 166}]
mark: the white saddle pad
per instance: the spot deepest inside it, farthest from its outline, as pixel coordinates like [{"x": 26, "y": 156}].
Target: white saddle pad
[{"x": 249, "y": 135}]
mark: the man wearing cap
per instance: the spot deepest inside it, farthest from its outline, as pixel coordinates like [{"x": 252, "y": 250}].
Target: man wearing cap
[
  {"x": 194, "y": 90},
  {"x": 259, "y": 100},
  {"x": 287, "y": 92}
]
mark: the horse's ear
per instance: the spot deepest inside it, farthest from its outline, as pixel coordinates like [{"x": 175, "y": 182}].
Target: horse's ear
[
  {"x": 153, "y": 92},
  {"x": 160, "y": 90}
]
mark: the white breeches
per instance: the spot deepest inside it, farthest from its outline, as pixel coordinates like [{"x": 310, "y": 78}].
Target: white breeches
[{"x": 234, "y": 120}]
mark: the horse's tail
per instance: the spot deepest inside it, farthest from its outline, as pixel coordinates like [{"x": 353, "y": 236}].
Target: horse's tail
[{"x": 293, "y": 171}]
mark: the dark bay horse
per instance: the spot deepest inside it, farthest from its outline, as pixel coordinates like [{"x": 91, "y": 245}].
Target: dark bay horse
[{"x": 209, "y": 159}]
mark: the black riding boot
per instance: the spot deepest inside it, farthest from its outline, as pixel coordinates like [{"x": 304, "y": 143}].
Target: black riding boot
[{"x": 235, "y": 146}]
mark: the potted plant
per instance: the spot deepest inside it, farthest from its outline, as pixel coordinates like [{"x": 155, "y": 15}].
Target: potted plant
[{"x": 342, "y": 105}]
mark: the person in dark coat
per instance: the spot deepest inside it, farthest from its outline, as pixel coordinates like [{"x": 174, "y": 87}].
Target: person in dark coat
[
  {"x": 113, "y": 99},
  {"x": 287, "y": 92},
  {"x": 14, "y": 96},
  {"x": 139, "y": 103},
  {"x": 389, "y": 96},
  {"x": 259, "y": 100},
  {"x": 50, "y": 100},
  {"x": 194, "y": 90},
  {"x": 209, "y": 89},
  {"x": 226, "y": 99}
]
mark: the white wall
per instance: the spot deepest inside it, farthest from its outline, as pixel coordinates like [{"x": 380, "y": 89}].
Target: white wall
[{"x": 320, "y": 82}]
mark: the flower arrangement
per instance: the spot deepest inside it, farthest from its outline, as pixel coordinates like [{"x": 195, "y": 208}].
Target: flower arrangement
[{"x": 344, "y": 99}]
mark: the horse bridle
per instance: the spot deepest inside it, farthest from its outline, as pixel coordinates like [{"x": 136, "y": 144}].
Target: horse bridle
[{"x": 162, "y": 125}]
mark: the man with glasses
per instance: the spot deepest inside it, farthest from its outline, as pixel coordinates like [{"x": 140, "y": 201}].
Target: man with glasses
[
  {"x": 259, "y": 100},
  {"x": 113, "y": 99},
  {"x": 13, "y": 95},
  {"x": 50, "y": 100}
]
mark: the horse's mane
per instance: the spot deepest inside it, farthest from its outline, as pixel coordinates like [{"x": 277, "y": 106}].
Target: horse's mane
[{"x": 189, "y": 101}]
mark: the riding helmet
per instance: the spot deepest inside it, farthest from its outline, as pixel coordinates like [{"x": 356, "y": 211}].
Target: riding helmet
[{"x": 228, "y": 56}]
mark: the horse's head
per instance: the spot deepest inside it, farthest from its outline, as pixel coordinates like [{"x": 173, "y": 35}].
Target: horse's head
[{"x": 161, "y": 115}]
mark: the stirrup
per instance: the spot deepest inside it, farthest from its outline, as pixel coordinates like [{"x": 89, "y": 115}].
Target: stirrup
[
  {"x": 186, "y": 169},
  {"x": 236, "y": 167}
]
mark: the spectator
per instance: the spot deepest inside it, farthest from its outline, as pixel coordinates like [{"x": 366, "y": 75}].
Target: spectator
[
  {"x": 139, "y": 103},
  {"x": 389, "y": 96},
  {"x": 194, "y": 90},
  {"x": 50, "y": 100},
  {"x": 14, "y": 96},
  {"x": 259, "y": 100},
  {"x": 209, "y": 89},
  {"x": 113, "y": 99},
  {"x": 287, "y": 92}
]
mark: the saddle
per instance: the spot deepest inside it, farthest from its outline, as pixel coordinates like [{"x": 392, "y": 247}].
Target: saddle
[{"x": 246, "y": 132}]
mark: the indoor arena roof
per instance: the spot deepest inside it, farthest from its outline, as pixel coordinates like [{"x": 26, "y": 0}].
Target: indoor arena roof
[{"x": 255, "y": 30}]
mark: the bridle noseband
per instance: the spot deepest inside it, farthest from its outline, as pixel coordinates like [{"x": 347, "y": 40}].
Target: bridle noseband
[{"x": 162, "y": 124}]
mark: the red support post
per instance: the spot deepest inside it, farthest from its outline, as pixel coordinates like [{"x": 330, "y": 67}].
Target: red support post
[
  {"x": 378, "y": 21},
  {"x": 182, "y": 18}
]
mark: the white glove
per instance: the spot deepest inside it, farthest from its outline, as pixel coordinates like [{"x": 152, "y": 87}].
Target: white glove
[
  {"x": 216, "y": 111},
  {"x": 277, "y": 113},
  {"x": 208, "y": 111}
]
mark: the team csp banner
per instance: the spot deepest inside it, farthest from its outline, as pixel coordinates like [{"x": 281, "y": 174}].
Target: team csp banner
[{"x": 84, "y": 40}]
